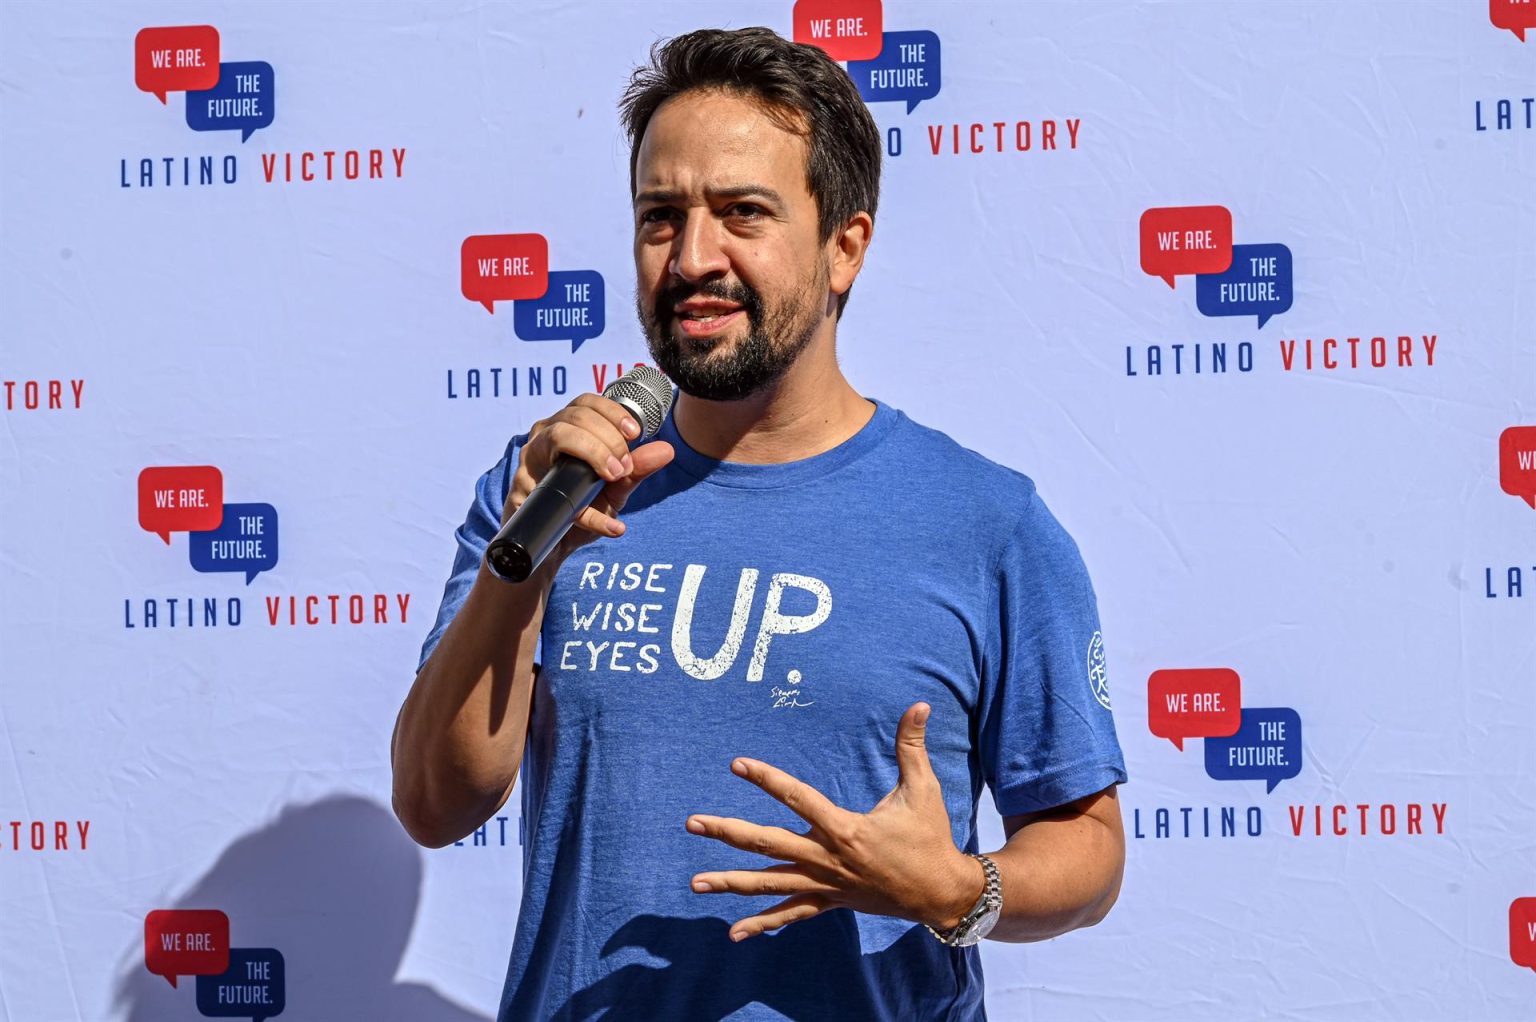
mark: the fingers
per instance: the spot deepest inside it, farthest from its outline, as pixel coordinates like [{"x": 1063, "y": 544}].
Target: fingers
[
  {"x": 598, "y": 523},
  {"x": 811, "y": 805},
  {"x": 787, "y": 878},
  {"x": 583, "y": 435},
  {"x": 591, "y": 428},
  {"x": 597, "y": 431},
  {"x": 607, "y": 421},
  {"x": 790, "y": 910},
  {"x": 772, "y": 842},
  {"x": 647, "y": 459},
  {"x": 614, "y": 412},
  {"x": 601, "y": 518}
]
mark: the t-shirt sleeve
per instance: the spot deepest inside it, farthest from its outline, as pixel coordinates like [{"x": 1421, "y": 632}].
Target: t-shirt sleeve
[
  {"x": 479, "y": 528},
  {"x": 1047, "y": 736}
]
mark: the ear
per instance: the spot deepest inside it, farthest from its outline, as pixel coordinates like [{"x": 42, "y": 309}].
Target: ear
[{"x": 845, "y": 250}]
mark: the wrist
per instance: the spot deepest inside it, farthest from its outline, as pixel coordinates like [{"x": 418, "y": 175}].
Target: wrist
[{"x": 965, "y": 881}]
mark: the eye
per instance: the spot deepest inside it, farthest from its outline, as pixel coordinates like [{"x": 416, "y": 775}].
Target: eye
[
  {"x": 745, "y": 211},
  {"x": 657, "y": 215}
]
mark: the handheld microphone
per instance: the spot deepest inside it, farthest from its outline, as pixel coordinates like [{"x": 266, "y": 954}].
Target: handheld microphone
[{"x": 571, "y": 485}]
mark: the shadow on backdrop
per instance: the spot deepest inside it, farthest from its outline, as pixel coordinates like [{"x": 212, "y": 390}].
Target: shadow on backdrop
[{"x": 333, "y": 885}]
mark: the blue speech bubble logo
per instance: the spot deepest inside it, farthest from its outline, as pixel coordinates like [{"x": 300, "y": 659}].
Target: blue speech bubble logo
[
  {"x": 907, "y": 70},
  {"x": 242, "y": 101},
  {"x": 1257, "y": 284},
  {"x": 246, "y": 541},
  {"x": 1267, "y": 747},
  {"x": 254, "y": 986},
  {"x": 572, "y": 309}
]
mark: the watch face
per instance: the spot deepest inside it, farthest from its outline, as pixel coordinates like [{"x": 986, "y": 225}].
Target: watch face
[{"x": 980, "y": 929}]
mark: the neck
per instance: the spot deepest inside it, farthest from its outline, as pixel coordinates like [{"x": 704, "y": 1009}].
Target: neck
[{"x": 812, "y": 408}]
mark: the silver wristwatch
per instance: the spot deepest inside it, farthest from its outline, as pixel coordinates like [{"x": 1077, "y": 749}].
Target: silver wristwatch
[{"x": 978, "y": 922}]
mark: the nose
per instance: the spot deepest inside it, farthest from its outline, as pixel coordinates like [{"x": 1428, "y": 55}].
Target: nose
[{"x": 697, "y": 252}]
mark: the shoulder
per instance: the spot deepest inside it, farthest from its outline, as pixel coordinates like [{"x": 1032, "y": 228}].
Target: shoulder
[
  {"x": 948, "y": 465},
  {"x": 495, "y": 483},
  {"x": 993, "y": 506}
]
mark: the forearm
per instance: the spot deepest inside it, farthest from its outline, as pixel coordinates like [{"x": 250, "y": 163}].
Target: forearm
[
  {"x": 1057, "y": 875},
  {"x": 1059, "y": 872},
  {"x": 461, "y": 730}
]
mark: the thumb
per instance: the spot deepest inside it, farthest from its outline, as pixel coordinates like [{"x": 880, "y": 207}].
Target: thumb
[
  {"x": 651, "y": 456},
  {"x": 648, "y": 459},
  {"x": 912, "y": 744}
]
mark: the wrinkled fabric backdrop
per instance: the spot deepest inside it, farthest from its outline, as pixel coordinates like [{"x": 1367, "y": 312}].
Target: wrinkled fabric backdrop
[{"x": 252, "y": 368}]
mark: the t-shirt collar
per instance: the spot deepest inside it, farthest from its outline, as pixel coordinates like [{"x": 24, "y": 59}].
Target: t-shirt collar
[{"x": 788, "y": 473}]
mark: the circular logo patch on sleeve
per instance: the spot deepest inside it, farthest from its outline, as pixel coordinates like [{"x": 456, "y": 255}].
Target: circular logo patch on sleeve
[{"x": 1098, "y": 676}]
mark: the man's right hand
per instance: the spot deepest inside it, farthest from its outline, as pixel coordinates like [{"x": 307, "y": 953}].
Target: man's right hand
[
  {"x": 462, "y": 728},
  {"x": 595, "y": 430}
]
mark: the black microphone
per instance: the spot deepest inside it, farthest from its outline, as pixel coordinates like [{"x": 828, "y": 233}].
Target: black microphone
[{"x": 571, "y": 485}]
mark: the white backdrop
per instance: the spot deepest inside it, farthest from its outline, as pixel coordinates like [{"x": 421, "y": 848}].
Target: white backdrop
[{"x": 1343, "y": 539}]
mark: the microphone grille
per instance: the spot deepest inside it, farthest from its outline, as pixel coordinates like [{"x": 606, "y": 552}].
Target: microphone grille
[{"x": 645, "y": 391}]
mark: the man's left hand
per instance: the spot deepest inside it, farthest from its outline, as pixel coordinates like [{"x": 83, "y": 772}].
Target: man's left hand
[{"x": 899, "y": 859}]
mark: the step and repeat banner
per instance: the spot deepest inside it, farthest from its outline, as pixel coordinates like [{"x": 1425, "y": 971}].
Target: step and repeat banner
[{"x": 1248, "y": 290}]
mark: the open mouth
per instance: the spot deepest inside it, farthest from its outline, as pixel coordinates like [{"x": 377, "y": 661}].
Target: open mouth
[
  {"x": 706, "y": 318},
  {"x": 705, "y": 324}
]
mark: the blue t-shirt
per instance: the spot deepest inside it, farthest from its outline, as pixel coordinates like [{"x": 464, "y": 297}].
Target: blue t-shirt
[{"x": 789, "y": 613}]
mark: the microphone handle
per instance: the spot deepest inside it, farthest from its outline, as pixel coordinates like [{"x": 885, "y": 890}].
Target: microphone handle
[{"x": 543, "y": 519}]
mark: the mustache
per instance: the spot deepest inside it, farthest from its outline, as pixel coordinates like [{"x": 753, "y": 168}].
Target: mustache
[{"x": 733, "y": 291}]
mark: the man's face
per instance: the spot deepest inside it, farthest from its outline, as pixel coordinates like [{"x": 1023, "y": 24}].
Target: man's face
[{"x": 731, "y": 280}]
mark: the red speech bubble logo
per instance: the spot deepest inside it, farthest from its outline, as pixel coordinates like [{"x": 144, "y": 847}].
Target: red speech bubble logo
[
  {"x": 1522, "y": 932},
  {"x": 503, "y": 268},
  {"x": 1515, "y": 15},
  {"x": 1517, "y": 463},
  {"x": 180, "y": 498},
  {"x": 1194, "y": 702},
  {"x": 183, "y": 58},
  {"x": 846, "y": 29},
  {"x": 1186, "y": 239},
  {"x": 186, "y": 942}
]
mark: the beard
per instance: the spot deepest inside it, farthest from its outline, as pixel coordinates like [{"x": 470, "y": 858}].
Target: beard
[{"x": 775, "y": 338}]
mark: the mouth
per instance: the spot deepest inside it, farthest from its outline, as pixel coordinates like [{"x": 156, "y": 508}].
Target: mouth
[
  {"x": 706, "y": 321},
  {"x": 711, "y": 325}
]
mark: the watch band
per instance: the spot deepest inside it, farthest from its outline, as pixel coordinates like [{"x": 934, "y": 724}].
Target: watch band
[{"x": 991, "y": 900}]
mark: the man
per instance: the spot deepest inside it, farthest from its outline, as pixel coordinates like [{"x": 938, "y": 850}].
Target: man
[{"x": 861, "y": 620}]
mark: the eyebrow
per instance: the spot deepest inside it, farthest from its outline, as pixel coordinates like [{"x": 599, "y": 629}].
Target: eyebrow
[{"x": 731, "y": 192}]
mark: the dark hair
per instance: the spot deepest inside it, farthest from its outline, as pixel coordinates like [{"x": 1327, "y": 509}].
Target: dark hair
[{"x": 802, "y": 88}]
